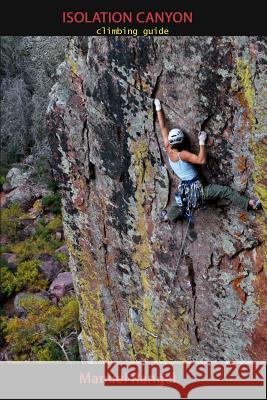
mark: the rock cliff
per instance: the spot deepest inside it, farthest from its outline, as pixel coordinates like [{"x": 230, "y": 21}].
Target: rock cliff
[{"x": 115, "y": 179}]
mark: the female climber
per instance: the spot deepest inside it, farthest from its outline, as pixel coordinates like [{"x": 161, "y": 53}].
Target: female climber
[{"x": 191, "y": 193}]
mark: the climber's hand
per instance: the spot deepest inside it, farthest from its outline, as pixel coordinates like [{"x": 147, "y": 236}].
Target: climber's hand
[
  {"x": 157, "y": 104},
  {"x": 202, "y": 136}
]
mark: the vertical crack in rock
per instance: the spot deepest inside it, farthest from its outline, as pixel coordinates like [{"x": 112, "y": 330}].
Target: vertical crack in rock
[
  {"x": 191, "y": 276},
  {"x": 91, "y": 166},
  {"x": 105, "y": 246},
  {"x": 157, "y": 84}
]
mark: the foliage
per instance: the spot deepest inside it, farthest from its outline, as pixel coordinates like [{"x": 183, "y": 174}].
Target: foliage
[
  {"x": 62, "y": 258},
  {"x": 3, "y": 325},
  {"x": 10, "y": 219},
  {"x": 8, "y": 281},
  {"x": 53, "y": 203},
  {"x": 43, "y": 334},
  {"x": 26, "y": 277},
  {"x": 38, "y": 206},
  {"x": 34, "y": 246},
  {"x": 4, "y": 248},
  {"x": 2, "y": 180},
  {"x": 44, "y": 230},
  {"x": 3, "y": 262},
  {"x": 26, "y": 77},
  {"x": 55, "y": 224}
]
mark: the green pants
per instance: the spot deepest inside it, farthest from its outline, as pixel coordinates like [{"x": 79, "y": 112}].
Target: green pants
[{"x": 214, "y": 192}]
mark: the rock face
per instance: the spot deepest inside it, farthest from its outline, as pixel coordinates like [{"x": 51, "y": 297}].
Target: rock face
[
  {"x": 11, "y": 259},
  {"x": 20, "y": 189},
  {"x": 49, "y": 267},
  {"x": 115, "y": 179},
  {"x": 61, "y": 285}
]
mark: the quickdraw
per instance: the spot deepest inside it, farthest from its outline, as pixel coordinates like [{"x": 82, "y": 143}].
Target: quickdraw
[{"x": 190, "y": 196}]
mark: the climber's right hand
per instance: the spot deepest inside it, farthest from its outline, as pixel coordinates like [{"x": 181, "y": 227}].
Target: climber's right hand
[
  {"x": 157, "y": 104},
  {"x": 202, "y": 136}
]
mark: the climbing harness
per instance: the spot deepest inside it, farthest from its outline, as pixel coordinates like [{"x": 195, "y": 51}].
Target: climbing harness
[
  {"x": 256, "y": 205},
  {"x": 189, "y": 196},
  {"x": 164, "y": 215}
]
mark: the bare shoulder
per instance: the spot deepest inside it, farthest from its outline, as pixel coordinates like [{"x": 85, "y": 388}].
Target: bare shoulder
[
  {"x": 185, "y": 155},
  {"x": 167, "y": 146},
  {"x": 173, "y": 154}
]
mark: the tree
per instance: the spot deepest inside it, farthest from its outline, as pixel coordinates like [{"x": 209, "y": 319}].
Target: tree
[{"x": 45, "y": 332}]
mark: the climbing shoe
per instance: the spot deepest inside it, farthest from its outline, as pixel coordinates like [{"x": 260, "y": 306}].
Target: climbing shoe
[
  {"x": 255, "y": 204},
  {"x": 192, "y": 235}
]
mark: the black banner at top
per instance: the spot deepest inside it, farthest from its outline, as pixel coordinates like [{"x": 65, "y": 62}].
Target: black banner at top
[{"x": 88, "y": 17}]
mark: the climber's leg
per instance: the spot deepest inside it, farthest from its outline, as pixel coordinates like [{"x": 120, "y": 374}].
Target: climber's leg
[
  {"x": 219, "y": 192},
  {"x": 175, "y": 213}
]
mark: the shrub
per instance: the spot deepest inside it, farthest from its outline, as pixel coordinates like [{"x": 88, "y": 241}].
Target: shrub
[
  {"x": 42, "y": 232},
  {"x": 27, "y": 276},
  {"x": 55, "y": 224},
  {"x": 62, "y": 258},
  {"x": 4, "y": 248},
  {"x": 3, "y": 325},
  {"x": 22, "y": 335},
  {"x": 8, "y": 281},
  {"x": 53, "y": 203},
  {"x": 44, "y": 354},
  {"x": 37, "y": 206},
  {"x": 34, "y": 305},
  {"x": 10, "y": 219},
  {"x": 2, "y": 181},
  {"x": 34, "y": 246},
  {"x": 3, "y": 262},
  {"x": 41, "y": 335}
]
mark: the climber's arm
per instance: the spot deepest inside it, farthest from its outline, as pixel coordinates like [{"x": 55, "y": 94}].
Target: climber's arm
[
  {"x": 193, "y": 158},
  {"x": 202, "y": 155},
  {"x": 162, "y": 124}
]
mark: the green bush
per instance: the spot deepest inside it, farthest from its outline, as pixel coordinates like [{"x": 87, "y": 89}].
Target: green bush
[
  {"x": 2, "y": 181},
  {"x": 42, "y": 232},
  {"x": 10, "y": 219},
  {"x": 4, "y": 248},
  {"x": 3, "y": 263},
  {"x": 41, "y": 334},
  {"x": 55, "y": 224},
  {"x": 62, "y": 258},
  {"x": 8, "y": 281},
  {"x": 35, "y": 246},
  {"x": 53, "y": 203},
  {"x": 27, "y": 276}
]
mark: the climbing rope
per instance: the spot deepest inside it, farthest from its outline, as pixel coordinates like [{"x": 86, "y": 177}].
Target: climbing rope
[{"x": 163, "y": 315}]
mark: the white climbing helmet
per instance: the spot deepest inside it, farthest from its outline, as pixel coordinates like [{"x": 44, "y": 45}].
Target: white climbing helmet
[{"x": 176, "y": 136}]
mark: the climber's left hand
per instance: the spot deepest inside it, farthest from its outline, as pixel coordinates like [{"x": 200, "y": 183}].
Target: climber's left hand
[{"x": 202, "y": 136}]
